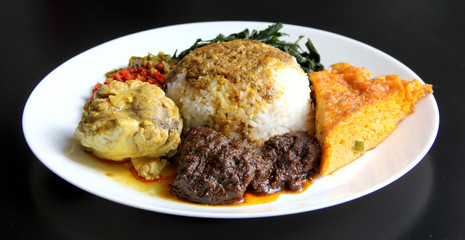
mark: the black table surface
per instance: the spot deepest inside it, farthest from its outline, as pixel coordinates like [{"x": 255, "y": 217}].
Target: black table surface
[{"x": 426, "y": 203}]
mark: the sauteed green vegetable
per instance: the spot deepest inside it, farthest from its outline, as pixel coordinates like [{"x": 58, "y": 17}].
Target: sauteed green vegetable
[{"x": 308, "y": 60}]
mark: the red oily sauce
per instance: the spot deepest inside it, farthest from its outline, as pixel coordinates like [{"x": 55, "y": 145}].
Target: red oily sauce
[{"x": 251, "y": 198}]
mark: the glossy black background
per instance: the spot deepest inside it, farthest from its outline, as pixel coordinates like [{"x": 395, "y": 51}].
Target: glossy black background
[{"x": 426, "y": 203}]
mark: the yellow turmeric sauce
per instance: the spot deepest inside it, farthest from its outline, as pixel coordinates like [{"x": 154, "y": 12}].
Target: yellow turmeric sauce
[{"x": 124, "y": 174}]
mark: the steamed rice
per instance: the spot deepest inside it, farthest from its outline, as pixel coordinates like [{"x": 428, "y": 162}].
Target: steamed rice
[{"x": 275, "y": 102}]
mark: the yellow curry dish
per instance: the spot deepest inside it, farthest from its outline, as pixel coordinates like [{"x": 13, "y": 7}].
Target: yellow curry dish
[{"x": 130, "y": 120}]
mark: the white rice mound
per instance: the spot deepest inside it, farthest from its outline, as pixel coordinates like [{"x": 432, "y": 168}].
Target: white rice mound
[
  {"x": 245, "y": 89},
  {"x": 291, "y": 111}
]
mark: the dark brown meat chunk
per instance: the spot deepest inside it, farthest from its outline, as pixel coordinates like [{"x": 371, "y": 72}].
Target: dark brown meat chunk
[
  {"x": 213, "y": 168},
  {"x": 291, "y": 159}
]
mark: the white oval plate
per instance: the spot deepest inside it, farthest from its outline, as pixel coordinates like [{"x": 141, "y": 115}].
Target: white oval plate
[{"x": 54, "y": 109}]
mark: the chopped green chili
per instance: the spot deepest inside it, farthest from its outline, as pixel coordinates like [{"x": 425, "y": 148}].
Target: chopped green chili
[{"x": 358, "y": 146}]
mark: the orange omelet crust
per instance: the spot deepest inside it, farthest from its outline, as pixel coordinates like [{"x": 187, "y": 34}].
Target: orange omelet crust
[{"x": 354, "y": 113}]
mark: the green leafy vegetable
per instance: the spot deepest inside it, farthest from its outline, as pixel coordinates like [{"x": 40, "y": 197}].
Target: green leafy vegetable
[{"x": 308, "y": 60}]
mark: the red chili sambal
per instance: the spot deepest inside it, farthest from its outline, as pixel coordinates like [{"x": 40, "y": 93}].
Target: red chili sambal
[{"x": 151, "y": 68}]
